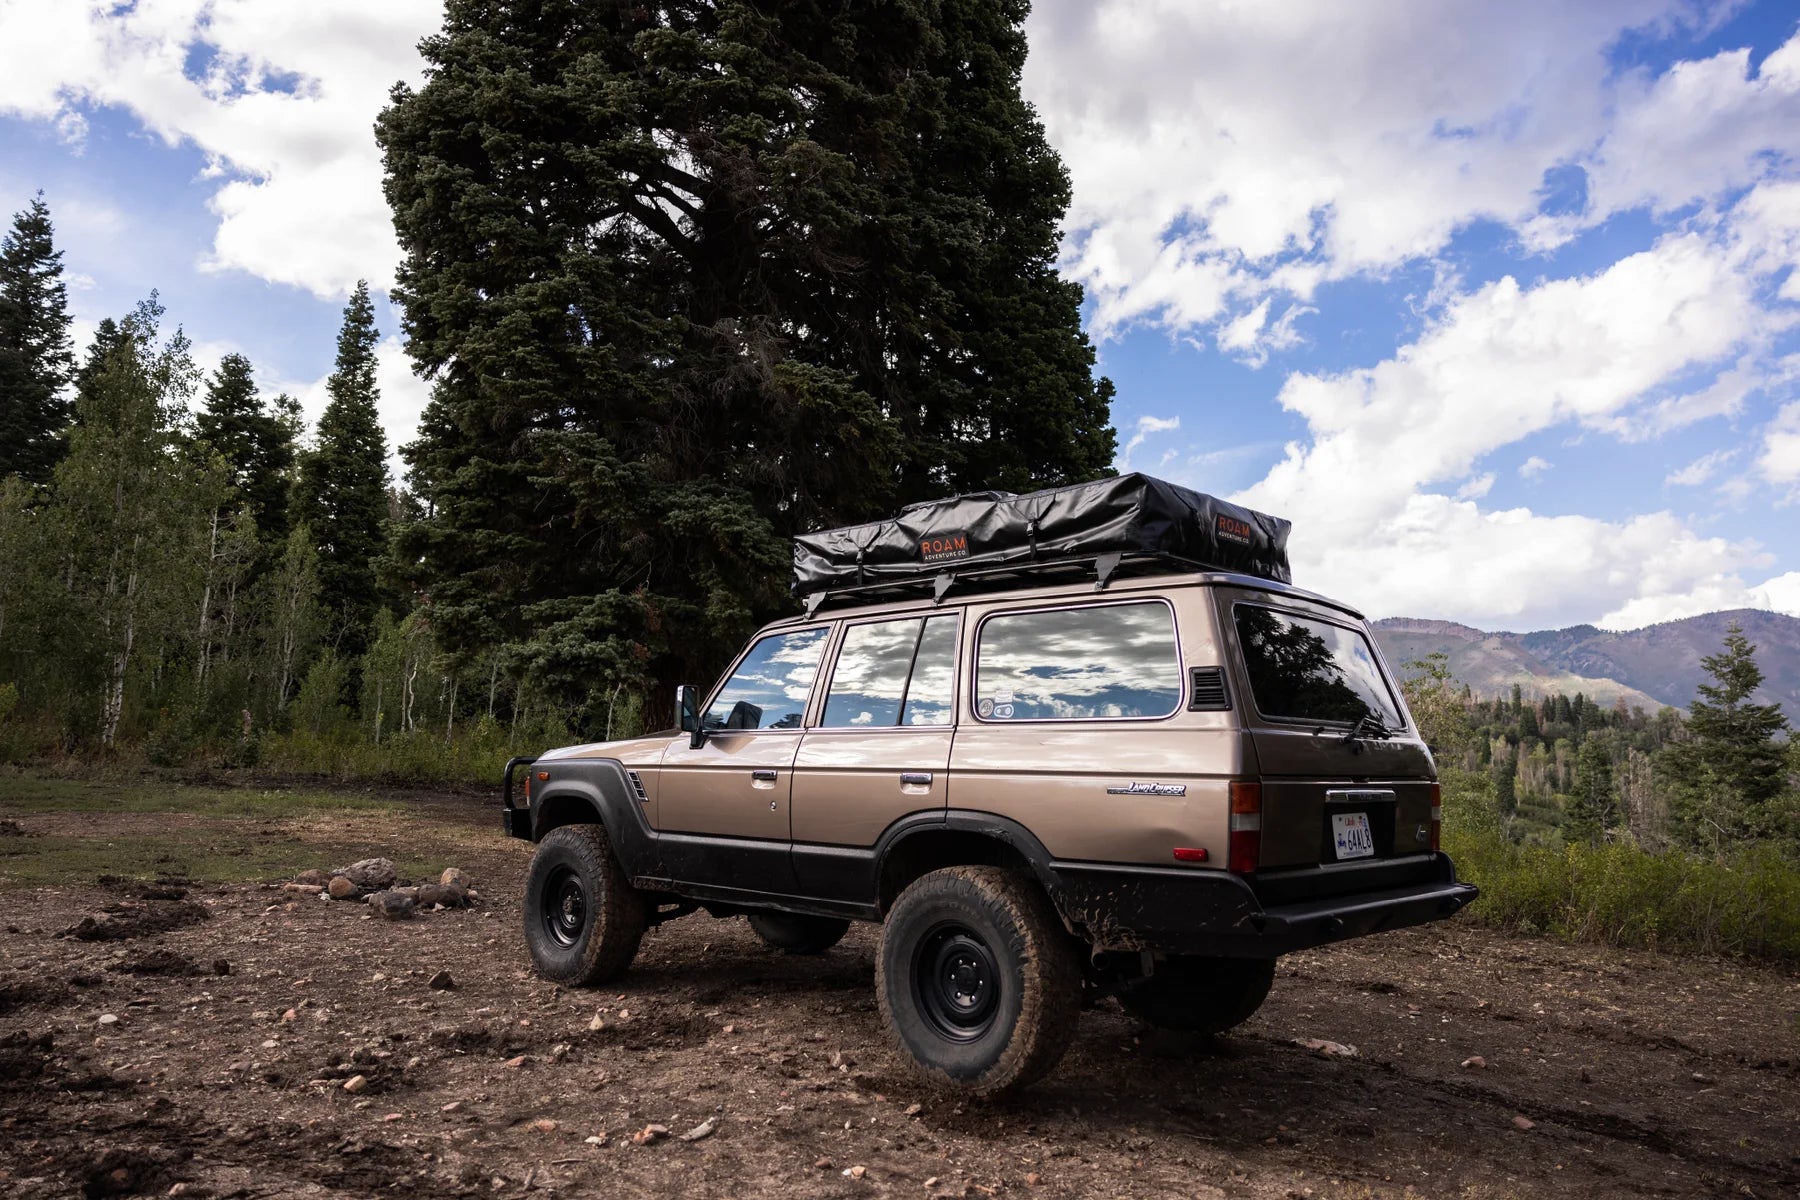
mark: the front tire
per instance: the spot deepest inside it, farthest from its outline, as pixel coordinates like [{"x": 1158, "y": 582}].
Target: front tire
[
  {"x": 1201, "y": 995},
  {"x": 583, "y": 919},
  {"x": 798, "y": 934},
  {"x": 978, "y": 982}
]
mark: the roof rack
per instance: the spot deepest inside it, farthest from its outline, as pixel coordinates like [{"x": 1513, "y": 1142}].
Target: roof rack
[{"x": 1101, "y": 568}]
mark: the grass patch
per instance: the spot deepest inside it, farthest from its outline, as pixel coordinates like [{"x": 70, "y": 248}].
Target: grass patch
[
  {"x": 145, "y": 830},
  {"x": 25, "y": 794}
]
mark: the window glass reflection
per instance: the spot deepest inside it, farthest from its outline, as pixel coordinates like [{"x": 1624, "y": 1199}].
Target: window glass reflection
[
  {"x": 770, "y": 687},
  {"x": 1306, "y": 670},
  {"x": 869, "y": 681},
  {"x": 932, "y": 693},
  {"x": 1115, "y": 660}
]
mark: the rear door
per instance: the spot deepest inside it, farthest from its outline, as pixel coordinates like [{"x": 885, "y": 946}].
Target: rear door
[{"x": 1346, "y": 780}]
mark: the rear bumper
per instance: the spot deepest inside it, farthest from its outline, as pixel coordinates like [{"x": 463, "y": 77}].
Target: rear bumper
[{"x": 1215, "y": 913}]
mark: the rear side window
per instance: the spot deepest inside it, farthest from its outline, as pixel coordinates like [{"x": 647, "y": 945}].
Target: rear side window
[
  {"x": 1095, "y": 663},
  {"x": 769, "y": 688},
  {"x": 893, "y": 673},
  {"x": 1306, "y": 670}
]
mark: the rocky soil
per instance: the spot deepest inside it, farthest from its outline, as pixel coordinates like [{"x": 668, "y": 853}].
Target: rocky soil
[{"x": 189, "y": 1039}]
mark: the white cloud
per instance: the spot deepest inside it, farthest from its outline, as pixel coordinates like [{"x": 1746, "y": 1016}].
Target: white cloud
[
  {"x": 1779, "y": 462},
  {"x": 283, "y": 109},
  {"x": 1701, "y": 469},
  {"x": 1145, "y": 427},
  {"x": 1780, "y": 594},
  {"x": 1532, "y": 467},
  {"x": 401, "y": 402},
  {"x": 1502, "y": 363}
]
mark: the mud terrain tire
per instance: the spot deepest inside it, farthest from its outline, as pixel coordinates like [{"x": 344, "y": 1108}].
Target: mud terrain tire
[
  {"x": 797, "y": 934},
  {"x": 979, "y": 984},
  {"x": 1201, "y": 995},
  {"x": 583, "y": 919}
]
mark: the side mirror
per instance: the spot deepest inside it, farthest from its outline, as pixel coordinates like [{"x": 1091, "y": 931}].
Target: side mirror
[{"x": 687, "y": 709}]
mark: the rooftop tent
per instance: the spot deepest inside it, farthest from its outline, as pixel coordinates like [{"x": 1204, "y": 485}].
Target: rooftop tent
[{"x": 1141, "y": 519}]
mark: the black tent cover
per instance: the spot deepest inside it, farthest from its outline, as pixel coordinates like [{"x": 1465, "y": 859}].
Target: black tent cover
[{"x": 1126, "y": 514}]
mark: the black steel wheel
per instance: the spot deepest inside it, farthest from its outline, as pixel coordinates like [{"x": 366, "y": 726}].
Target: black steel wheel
[
  {"x": 583, "y": 919},
  {"x": 1201, "y": 995},
  {"x": 979, "y": 984}
]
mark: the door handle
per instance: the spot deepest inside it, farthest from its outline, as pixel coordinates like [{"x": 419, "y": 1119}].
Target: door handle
[
  {"x": 763, "y": 776},
  {"x": 915, "y": 779}
]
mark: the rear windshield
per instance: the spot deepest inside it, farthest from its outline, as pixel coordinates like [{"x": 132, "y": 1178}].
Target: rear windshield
[{"x": 1306, "y": 670}]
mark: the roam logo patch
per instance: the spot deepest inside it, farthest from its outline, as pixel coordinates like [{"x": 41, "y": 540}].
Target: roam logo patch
[
  {"x": 1230, "y": 529},
  {"x": 943, "y": 547}
]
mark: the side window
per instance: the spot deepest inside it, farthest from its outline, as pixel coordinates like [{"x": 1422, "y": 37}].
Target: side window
[
  {"x": 931, "y": 699},
  {"x": 1303, "y": 669},
  {"x": 769, "y": 688},
  {"x": 1093, "y": 663},
  {"x": 892, "y": 673}
]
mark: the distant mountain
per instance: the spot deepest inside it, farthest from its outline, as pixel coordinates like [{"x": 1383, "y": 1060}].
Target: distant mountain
[{"x": 1650, "y": 667}]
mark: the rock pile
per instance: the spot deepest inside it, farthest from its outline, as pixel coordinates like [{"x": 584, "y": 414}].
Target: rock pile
[{"x": 377, "y": 881}]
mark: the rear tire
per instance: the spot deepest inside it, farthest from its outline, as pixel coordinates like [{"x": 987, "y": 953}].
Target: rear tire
[
  {"x": 978, "y": 983},
  {"x": 795, "y": 933},
  {"x": 583, "y": 919},
  {"x": 1201, "y": 995}
]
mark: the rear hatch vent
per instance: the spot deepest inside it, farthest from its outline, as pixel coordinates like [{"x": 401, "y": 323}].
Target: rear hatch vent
[{"x": 1208, "y": 691}]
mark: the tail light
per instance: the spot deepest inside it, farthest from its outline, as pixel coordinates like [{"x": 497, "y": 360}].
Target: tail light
[
  {"x": 1437, "y": 815},
  {"x": 1245, "y": 847}
]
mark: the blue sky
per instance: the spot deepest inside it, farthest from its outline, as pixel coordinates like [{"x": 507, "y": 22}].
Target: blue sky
[{"x": 1497, "y": 303}]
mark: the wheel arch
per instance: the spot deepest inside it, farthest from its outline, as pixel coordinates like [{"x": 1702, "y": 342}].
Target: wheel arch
[{"x": 959, "y": 838}]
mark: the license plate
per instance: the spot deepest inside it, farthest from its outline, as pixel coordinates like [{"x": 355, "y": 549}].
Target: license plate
[{"x": 1352, "y": 834}]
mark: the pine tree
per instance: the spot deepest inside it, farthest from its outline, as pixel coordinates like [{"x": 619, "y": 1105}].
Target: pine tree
[
  {"x": 1594, "y": 801},
  {"x": 36, "y": 355},
  {"x": 341, "y": 492},
  {"x": 256, "y": 443},
  {"x": 1726, "y": 779},
  {"x": 693, "y": 277}
]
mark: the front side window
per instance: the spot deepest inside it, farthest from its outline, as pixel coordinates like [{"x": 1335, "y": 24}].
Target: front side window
[
  {"x": 1301, "y": 669},
  {"x": 1095, "y": 663},
  {"x": 893, "y": 673},
  {"x": 769, "y": 688}
]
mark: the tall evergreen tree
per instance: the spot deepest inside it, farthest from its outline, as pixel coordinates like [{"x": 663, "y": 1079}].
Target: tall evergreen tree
[
  {"x": 341, "y": 492},
  {"x": 257, "y": 445},
  {"x": 36, "y": 355},
  {"x": 692, "y": 277},
  {"x": 1594, "y": 801},
  {"x": 1727, "y": 777}
]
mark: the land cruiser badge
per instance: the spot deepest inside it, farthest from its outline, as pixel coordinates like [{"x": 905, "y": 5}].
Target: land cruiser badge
[{"x": 1149, "y": 789}]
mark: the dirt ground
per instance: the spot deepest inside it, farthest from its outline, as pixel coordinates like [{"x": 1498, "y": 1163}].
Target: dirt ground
[{"x": 1606, "y": 1073}]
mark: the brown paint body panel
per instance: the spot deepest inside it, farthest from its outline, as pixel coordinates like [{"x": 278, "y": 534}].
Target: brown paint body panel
[
  {"x": 716, "y": 789},
  {"x": 848, "y": 787}
]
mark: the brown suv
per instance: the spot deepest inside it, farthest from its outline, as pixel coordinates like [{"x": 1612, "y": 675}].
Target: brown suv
[{"x": 1044, "y": 741}]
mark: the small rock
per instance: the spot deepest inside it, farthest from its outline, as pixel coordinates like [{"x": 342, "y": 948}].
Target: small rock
[
  {"x": 1700, "y": 1078},
  {"x": 594, "y": 1140},
  {"x": 515, "y": 1063},
  {"x": 1327, "y": 1049},
  {"x": 431, "y": 894},
  {"x": 221, "y": 967},
  {"x": 315, "y": 879},
  {"x": 648, "y": 1134},
  {"x": 703, "y": 1130},
  {"x": 932, "y": 1182},
  {"x": 856, "y": 1172},
  {"x": 453, "y": 1106},
  {"x": 356, "y": 1083},
  {"x": 1475, "y": 1061},
  {"x": 109, "y": 1019},
  {"x": 823, "y": 1164},
  {"x": 1524, "y": 1123},
  {"x": 454, "y": 877},
  {"x": 1032, "y": 1178},
  {"x": 290, "y": 1016},
  {"x": 393, "y": 1117},
  {"x": 913, "y": 1110},
  {"x": 597, "y": 1024},
  {"x": 441, "y": 982},
  {"x": 370, "y": 874},
  {"x": 392, "y": 905},
  {"x": 728, "y": 1030},
  {"x": 304, "y": 889},
  {"x": 341, "y": 888},
  {"x": 544, "y": 1125}
]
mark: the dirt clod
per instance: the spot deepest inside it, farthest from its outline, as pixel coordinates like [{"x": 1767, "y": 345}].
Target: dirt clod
[{"x": 441, "y": 982}]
